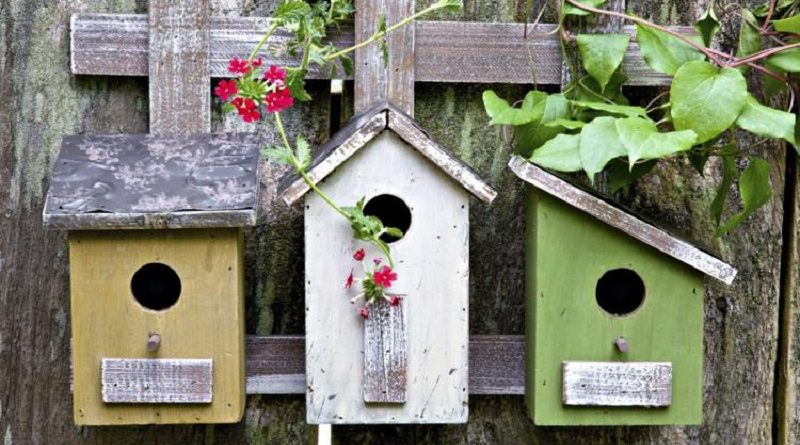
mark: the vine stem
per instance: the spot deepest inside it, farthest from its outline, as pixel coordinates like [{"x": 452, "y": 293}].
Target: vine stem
[
  {"x": 263, "y": 41},
  {"x": 380, "y": 34},
  {"x": 311, "y": 184},
  {"x": 763, "y": 54},
  {"x": 712, "y": 54}
]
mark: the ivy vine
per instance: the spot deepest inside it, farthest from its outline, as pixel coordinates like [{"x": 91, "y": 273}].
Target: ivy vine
[{"x": 590, "y": 126}]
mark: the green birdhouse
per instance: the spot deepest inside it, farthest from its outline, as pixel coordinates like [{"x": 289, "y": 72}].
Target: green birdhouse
[{"x": 614, "y": 326}]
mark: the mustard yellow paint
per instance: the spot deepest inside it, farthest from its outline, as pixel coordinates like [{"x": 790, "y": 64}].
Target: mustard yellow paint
[{"x": 206, "y": 322}]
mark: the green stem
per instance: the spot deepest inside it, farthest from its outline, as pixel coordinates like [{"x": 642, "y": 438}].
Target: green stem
[
  {"x": 263, "y": 41},
  {"x": 380, "y": 34},
  {"x": 301, "y": 170}
]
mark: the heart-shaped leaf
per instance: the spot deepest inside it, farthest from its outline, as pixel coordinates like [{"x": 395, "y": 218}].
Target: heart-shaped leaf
[
  {"x": 705, "y": 99},
  {"x": 663, "y": 52},
  {"x": 599, "y": 143},
  {"x": 560, "y": 153},
  {"x": 641, "y": 140},
  {"x": 766, "y": 122},
  {"x": 602, "y": 54},
  {"x": 501, "y": 113}
]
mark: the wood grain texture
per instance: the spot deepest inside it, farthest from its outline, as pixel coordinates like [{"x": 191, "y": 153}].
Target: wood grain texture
[
  {"x": 150, "y": 221},
  {"x": 437, "y": 328},
  {"x": 156, "y": 380},
  {"x": 377, "y": 80},
  {"x": 463, "y": 52},
  {"x": 617, "y": 384},
  {"x": 178, "y": 66},
  {"x": 385, "y": 354},
  {"x": 207, "y": 322},
  {"x": 627, "y": 222}
]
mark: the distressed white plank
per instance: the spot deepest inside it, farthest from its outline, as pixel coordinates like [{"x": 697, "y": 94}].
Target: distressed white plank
[
  {"x": 385, "y": 354},
  {"x": 178, "y": 66},
  {"x": 156, "y": 380},
  {"x": 645, "y": 384},
  {"x": 433, "y": 273},
  {"x": 471, "y": 52},
  {"x": 625, "y": 221}
]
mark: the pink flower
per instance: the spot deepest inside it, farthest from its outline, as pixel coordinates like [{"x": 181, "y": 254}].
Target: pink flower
[
  {"x": 238, "y": 66},
  {"x": 225, "y": 89},
  {"x": 359, "y": 255},
  {"x": 275, "y": 74},
  {"x": 364, "y": 312},
  {"x": 279, "y": 100},
  {"x": 394, "y": 300},
  {"x": 349, "y": 282},
  {"x": 257, "y": 63},
  {"x": 384, "y": 277}
]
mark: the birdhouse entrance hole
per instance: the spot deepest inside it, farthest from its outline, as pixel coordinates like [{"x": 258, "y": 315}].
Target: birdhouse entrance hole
[
  {"x": 392, "y": 211},
  {"x": 620, "y": 291},
  {"x": 156, "y": 286}
]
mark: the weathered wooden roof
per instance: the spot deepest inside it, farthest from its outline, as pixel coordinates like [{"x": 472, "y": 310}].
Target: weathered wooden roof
[
  {"x": 154, "y": 182},
  {"x": 623, "y": 220},
  {"x": 364, "y": 128}
]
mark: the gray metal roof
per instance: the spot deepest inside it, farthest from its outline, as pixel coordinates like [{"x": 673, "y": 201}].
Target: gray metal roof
[{"x": 139, "y": 181}]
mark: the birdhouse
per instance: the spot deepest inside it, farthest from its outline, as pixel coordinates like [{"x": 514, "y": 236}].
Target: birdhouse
[
  {"x": 156, "y": 274},
  {"x": 614, "y": 326},
  {"x": 404, "y": 364}
]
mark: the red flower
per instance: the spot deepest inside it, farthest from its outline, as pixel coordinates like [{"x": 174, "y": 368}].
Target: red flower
[
  {"x": 359, "y": 255},
  {"x": 225, "y": 89},
  {"x": 275, "y": 73},
  {"x": 384, "y": 277},
  {"x": 247, "y": 108},
  {"x": 364, "y": 312},
  {"x": 349, "y": 282},
  {"x": 238, "y": 66},
  {"x": 394, "y": 300},
  {"x": 279, "y": 100},
  {"x": 257, "y": 63}
]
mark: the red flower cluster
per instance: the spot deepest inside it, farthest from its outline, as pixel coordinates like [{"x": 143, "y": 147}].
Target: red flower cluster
[
  {"x": 243, "y": 92},
  {"x": 359, "y": 255},
  {"x": 376, "y": 280}
]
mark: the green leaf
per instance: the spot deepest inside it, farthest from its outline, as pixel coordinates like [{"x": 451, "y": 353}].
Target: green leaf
[
  {"x": 619, "y": 175},
  {"x": 450, "y": 5},
  {"x": 291, "y": 11},
  {"x": 599, "y": 144},
  {"x": 296, "y": 84},
  {"x": 572, "y": 10},
  {"x": 602, "y": 54},
  {"x": 624, "y": 110},
  {"x": 501, "y": 113},
  {"x": 565, "y": 123},
  {"x": 536, "y": 133},
  {"x": 560, "y": 153},
  {"x": 303, "y": 152},
  {"x": 663, "y": 52},
  {"x": 790, "y": 24},
  {"x": 749, "y": 38},
  {"x": 707, "y": 25},
  {"x": 766, "y": 122},
  {"x": 705, "y": 99},
  {"x": 641, "y": 140},
  {"x": 279, "y": 154},
  {"x": 755, "y": 190},
  {"x": 788, "y": 61},
  {"x": 393, "y": 231},
  {"x": 729, "y": 174}
]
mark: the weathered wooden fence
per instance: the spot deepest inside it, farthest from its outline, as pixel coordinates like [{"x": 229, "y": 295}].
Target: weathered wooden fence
[{"x": 751, "y": 327}]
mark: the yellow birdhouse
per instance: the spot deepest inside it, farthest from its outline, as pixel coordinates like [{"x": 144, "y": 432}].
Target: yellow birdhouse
[{"x": 156, "y": 274}]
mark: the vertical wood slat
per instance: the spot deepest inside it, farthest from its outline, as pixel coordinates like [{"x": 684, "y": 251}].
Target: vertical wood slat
[
  {"x": 385, "y": 354},
  {"x": 180, "y": 101},
  {"x": 375, "y": 80}
]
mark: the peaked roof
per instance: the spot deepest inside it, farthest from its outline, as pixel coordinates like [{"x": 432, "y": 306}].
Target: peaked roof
[
  {"x": 623, "y": 220},
  {"x": 142, "y": 181},
  {"x": 362, "y": 129}
]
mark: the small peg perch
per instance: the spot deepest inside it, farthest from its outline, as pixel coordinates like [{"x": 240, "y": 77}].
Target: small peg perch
[
  {"x": 153, "y": 342},
  {"x": 621, "y": 344}
]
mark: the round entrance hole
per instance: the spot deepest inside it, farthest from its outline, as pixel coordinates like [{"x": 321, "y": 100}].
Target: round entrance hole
[
  {"x": 620, "y": 291},
  {"x": 392, "y": 211},
  {"x": 156, "y": 286}
]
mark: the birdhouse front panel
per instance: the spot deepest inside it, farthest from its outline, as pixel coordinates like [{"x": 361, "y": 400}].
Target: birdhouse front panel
[
  {"x": 406, "y": 190},
  {"x": 183, "y": 286},
  {"x": 615, "y": 327}
]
